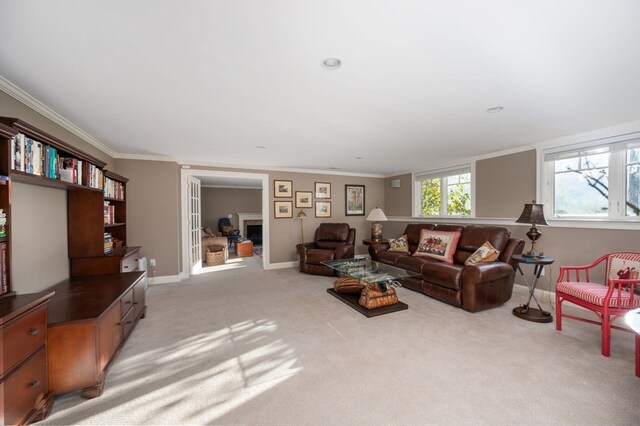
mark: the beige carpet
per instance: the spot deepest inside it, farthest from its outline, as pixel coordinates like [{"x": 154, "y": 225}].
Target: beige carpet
[{"x": 246, "y": 346}]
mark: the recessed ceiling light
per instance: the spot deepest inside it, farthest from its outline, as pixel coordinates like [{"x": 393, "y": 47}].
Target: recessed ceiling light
[
  {"x": 335, "y": 168},
  {"x": 359, "y": 158},
  {"x": 495, "y": 109},
  {"x": 332, "y": 63},
  {"x": 261, "y": 147}
]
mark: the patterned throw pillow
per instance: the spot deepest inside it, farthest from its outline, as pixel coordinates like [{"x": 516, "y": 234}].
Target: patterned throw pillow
[
  {"x": 400, "y": 245},
  {"x": 227, "y": 230},
  {"x": 486, "y": 253},
  {"x": 624, "y": 266},
  {"x": 438, "y": 245}
]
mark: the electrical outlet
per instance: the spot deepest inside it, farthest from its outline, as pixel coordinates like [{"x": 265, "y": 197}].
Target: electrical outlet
[{"x": 152, "y": 262}]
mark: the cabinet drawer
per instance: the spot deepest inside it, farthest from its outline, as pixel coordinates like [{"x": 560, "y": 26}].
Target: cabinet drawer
[
  {"x": 25, "y": 387},
  {"x": 129, "y": 263},
  {"x": 23, "y": 336},
  {"x": 127, "y": 323},
  {"x": 126, "y": 302}
]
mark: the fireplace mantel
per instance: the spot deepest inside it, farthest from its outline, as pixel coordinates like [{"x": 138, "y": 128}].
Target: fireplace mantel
[{"x": 247, "y": 216}]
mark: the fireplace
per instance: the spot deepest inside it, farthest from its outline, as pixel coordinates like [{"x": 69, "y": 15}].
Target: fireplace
[{"x": 254, "y": 233}]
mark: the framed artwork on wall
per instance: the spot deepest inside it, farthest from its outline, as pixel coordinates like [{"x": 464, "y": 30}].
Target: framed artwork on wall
[
  {"x": 282, "y": 188},
  {"x": 282, "y": 209},
  {"x": 303, "y": 199},
  {"x": 354, "y": 200},
  {"x": 323, "y": 190},
  {"x": 323, "y": 208}
]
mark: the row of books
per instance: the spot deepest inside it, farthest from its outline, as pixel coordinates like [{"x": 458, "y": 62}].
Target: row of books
[
  {"x": 4, "y": 282},
  {"x": 113, "y": 189},
  {"x": 109, "y": 213},
  {"x": 108, "y": 243},
  {"x": 34, "y": 157}
]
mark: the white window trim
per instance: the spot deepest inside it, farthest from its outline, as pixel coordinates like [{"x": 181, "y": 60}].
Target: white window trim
[
  {"x": 416, "y": 209},
  {"x": 544, "y": 187}
]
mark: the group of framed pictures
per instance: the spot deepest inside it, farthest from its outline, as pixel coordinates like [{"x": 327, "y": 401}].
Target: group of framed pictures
[{"x": 354, "y": 199}]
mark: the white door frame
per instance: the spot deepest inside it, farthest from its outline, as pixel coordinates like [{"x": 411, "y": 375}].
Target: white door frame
[
  {"x": 194, "y": 219},
  {"x": 184, "y": 173}
]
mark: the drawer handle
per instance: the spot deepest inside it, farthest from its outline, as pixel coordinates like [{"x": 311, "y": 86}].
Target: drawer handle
[
  {"x": 129, "y": 322},
  {"x": 126, "y": 266},
  {"x": 35, "y": 383},
  {"x": 33, "y": 331}
]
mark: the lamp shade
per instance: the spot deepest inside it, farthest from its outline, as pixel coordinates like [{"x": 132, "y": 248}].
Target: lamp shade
[
  {"x": 301, "y": 214},
  {"x": 376, "y": 215},
  {"x": 533, "y": 213}
]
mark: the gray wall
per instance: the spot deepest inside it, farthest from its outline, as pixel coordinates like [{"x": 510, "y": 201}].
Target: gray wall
[
  {"x": 395, "y": 198},
  {"x": 221, "y": 202}
]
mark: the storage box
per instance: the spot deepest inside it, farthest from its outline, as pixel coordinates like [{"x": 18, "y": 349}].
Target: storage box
[{"x": 245, "y": 248}]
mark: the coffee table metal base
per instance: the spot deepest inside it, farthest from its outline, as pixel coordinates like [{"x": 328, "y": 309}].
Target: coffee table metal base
[{"x": 351, "y": 299}]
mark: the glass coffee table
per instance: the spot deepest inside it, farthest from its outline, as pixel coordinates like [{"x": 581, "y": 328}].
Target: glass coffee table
[{"x": 368, "y": 271}]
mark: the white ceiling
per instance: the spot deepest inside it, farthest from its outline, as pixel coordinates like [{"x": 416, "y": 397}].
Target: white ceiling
[{"x": 209, "y": 81}]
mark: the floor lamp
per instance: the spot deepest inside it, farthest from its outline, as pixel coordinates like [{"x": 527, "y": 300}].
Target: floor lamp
[{"x": 301, "y": 215}]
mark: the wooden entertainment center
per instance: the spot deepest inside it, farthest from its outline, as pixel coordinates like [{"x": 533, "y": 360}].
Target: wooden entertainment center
[{"x": 64, "y": 338}]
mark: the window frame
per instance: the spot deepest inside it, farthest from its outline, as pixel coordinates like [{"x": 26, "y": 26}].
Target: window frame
[
  {"x": 617, "y": 167},
  {"x": 459, "y": 169}
]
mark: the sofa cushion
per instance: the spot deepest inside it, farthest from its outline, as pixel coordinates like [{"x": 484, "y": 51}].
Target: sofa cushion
[
  {"x": 438, "y": 245},
  {"x": 400, "y": 245},
  {"x": 332, "y": 232},
  {"x": 390, "y": 257},
  {"x": 474, "y": 236},
  {"x": 412, "y": 231},
  {"x": 411, "y": 263},
  {"x": 486, "y": 253},
  {"x": 443, "y": 274},
  {"x": 329, "y": 245}
]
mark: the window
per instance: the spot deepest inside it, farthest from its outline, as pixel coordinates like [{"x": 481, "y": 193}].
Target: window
[
  {"x": 597, "y": 180},
  {"x": 444, "y": 193}
]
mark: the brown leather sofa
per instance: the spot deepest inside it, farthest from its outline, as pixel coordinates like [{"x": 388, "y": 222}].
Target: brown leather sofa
[
  {"x": 332, "y": 241},
  {"x": 473, "y": 288}
]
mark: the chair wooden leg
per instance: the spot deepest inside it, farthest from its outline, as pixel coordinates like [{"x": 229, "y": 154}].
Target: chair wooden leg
[
  {"x": 606, "y": 335},
  {"x": 558, "y": 312}
]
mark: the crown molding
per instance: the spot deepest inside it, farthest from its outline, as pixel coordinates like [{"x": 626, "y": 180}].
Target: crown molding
[
  {"x": 20, "y": 95},
  {"x": 144, "y": 157}
]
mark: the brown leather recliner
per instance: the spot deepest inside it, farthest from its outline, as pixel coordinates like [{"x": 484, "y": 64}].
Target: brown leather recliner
[{"x": 332, "y": 241}]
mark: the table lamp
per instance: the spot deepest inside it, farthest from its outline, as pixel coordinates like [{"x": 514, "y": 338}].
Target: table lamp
[
  {"x": 301, "y": 215},
  {"x": 376, "y": 215},
  {"x": 533, "y": 213}
]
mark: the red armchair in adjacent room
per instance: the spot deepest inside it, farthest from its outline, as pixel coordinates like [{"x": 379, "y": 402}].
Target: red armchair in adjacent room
[
  {"x": 332, "y": 241},
  {"x": 609, "y": 301}
]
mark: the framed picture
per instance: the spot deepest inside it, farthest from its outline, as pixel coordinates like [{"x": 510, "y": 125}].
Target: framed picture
[
  {"x": 323, "y": 190},
  {"x": 282, "y": 188},
  {"x": 303, "y": 199},
  {"x": 323, "y": 208},
  {"x": 283, "y": 209},
  {"x": 354, "y": 202}
]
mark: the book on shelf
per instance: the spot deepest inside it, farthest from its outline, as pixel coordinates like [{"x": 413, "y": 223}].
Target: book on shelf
[{"x": 4, "y": 281}]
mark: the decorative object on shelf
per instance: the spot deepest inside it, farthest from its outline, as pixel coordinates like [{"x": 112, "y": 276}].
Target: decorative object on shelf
[
  {"x": 323, "y": 190},
  {"x": 282, "y": 209},
  {"x": 534, "y": 214},
  {"x": 301, "y": 215},
  {"x": 282, "y": 188},
  {"x": 354, "y": 200},
  {"x": 376, "y": 216},
  {"x": 3, "y": 222},
  {"x": 303, "y": 199},
  {"x": 323, "y": 208}
]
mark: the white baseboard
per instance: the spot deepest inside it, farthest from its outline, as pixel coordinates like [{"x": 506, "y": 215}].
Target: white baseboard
[
  {"x": 164, "y": 279},
  {"x": 282, "y": 265}
]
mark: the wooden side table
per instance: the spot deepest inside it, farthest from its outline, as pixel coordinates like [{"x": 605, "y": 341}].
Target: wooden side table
[{"x": 524, "y": 311}]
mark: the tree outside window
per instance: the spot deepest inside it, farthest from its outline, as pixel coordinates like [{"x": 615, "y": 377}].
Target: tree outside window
[{"x": 446, "y": 195}]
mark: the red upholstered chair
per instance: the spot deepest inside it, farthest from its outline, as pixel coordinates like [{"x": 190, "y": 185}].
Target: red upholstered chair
[
  {"x": 332, "y": 241},
  {"x": 609, "y": 301}
]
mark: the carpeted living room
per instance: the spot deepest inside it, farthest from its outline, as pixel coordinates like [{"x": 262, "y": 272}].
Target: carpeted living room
[{"x": 320, "y": 212}]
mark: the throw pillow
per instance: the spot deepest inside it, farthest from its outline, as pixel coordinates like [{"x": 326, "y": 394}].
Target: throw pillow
[
  {"x": 486, "y": 253},
  {"x": 399, "y": 245},
  {"x": 624, "y": 266},
  {"x": 227, "y": 230},
  {"x": 207, "y": 231},
  {"x": 438, "y": 245}
]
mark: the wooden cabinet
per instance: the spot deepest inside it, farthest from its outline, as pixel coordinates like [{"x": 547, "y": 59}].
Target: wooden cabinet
[
  {"x": 24, "y": 388},
  {"x": 90, "y": 319}
]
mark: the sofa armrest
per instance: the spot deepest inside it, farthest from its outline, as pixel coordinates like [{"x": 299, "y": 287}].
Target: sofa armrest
[
  {"x": 514, "y": 246},
  {"x": 374, "y": 249},
  {"x": 486, "y": 285},
  {"x": 344, "y": 252},
  {"x": 302, "y": 248}
]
